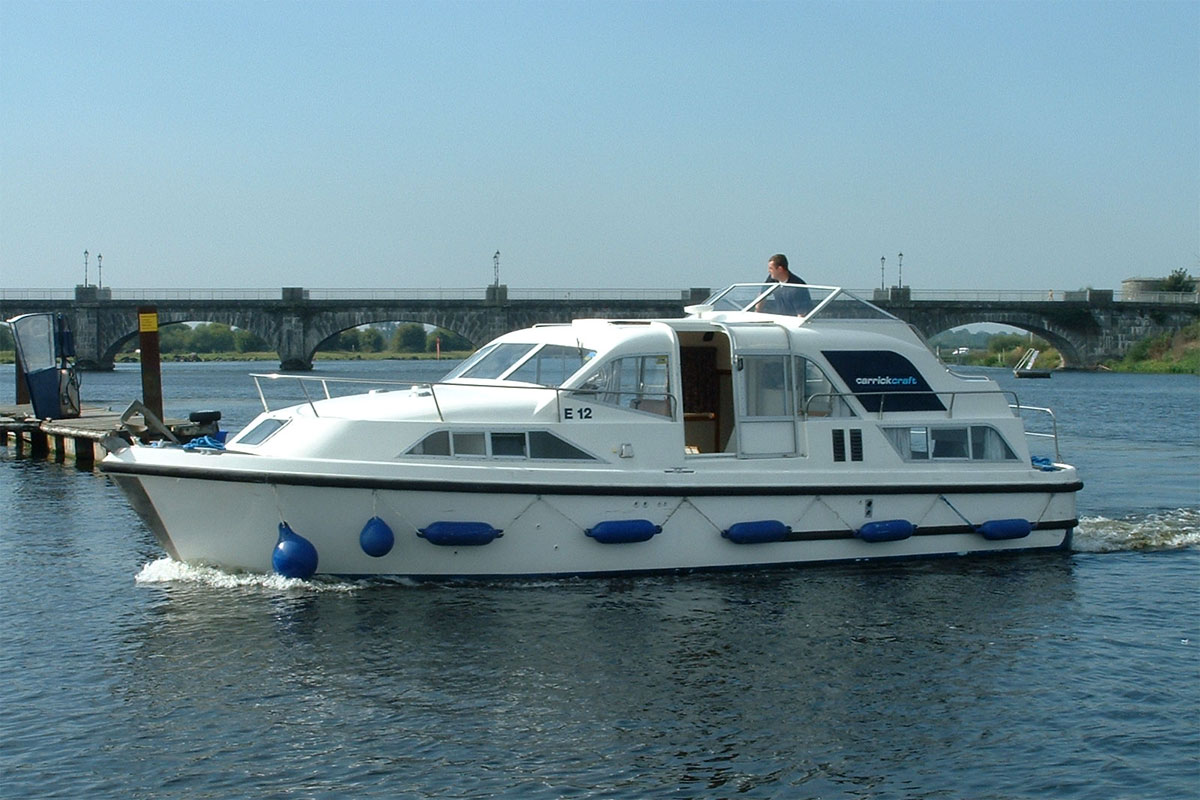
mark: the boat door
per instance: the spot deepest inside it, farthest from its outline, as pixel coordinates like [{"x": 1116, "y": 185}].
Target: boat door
[
  {"x": 44, "y": 345},
  {"x": 764, "y": 390}
]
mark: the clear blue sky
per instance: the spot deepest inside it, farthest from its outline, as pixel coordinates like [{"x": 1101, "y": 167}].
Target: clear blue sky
[{"x": 598, "y": 145}]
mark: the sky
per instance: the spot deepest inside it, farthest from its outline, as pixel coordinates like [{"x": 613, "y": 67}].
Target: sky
[{"x": 997, "y": 145}]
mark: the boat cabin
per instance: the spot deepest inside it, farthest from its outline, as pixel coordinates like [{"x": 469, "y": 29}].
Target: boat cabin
[{"x": 743, "y": 381}]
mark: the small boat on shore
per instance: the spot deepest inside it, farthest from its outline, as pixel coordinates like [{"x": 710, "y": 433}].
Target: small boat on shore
[
  {"x": 1025, "y": 368},
  {"x": 729, "y": 438}
]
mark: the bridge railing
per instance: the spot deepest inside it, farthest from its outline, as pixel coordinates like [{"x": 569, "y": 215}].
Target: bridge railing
[{"x": 618, "y": 295}]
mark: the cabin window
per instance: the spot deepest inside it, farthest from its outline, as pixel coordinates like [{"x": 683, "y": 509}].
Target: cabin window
[
  {"x": 768, "y": 386},
  {"x": 261, "y": 432},
  {"x": 503, "y": 444},
  {"x": 636, "y": 382},
  {"x": 551, "y": 365},
  {"x": 468, "y": 444},
  {"x": 988, "y": 445},
  {"x": 976, "y": 442},
  {"x": 435, "y": 444},
  {"x": 816, "y": 393},
  {"x": 543, "y": 444},
  {"x": 492, "y": 361},
  {"x": 508, "y": 444}
]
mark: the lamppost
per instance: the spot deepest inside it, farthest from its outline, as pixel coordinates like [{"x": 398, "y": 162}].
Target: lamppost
[
  {"x": 85, "y": 257},
  {"x": 99, "y": 271},
  {"x": 900, "y": 273},
  {"x": 882, "y": 280}
]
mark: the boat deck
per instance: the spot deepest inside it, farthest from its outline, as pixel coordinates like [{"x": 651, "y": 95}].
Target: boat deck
[{"x": 80, "y": 438}]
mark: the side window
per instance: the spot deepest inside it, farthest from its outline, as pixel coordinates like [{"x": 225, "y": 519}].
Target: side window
[
  {"x": 635, "y": 382},
  {"x": 468, "y": 444},
  {"x": 988, "y": 445},
  {"x": 508, "y": 444},
  {"x": 551, "y": 365},
  {"x": 492, "y": 362},
  {"x": 768, "y": 386},
  {"x": 435, "y": 444},
  {"x": 949, "y": 442},
  {"x": 816, "y": 393},
  {"x": 978, "y": 443},
  {"x": 504, "y": 444},
  {"x": 262, "y": 431}
]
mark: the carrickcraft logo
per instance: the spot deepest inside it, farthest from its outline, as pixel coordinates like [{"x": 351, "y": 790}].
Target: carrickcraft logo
[{"x": 886, "y": 380}]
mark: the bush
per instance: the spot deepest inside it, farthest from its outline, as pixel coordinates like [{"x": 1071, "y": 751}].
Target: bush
[
  {"x": 1178, "y": 281},
  {"x": 409, "y": 338}
]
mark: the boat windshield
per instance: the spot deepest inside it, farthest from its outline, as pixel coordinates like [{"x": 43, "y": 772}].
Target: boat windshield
[
  {"x": 791, "y": 299},
  {"x": 524, "y": 362}
]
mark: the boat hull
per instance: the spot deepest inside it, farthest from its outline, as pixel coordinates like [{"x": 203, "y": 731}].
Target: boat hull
[{"x": 232, "y": 521}]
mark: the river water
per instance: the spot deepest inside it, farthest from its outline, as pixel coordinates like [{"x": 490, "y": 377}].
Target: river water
[{"x": 1070, "y": 675}]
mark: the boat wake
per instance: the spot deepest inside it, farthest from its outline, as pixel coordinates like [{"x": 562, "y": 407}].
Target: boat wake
[
  {"x": 168, "y": 570},
  {"x": 1164, "y": 530}
]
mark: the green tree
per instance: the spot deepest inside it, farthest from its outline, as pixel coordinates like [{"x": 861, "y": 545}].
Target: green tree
[
  {"x": 409, "y": 338},
  {"x": 451, "y": 341},
  {"x": 1003, "y": 342},
  {"x": 6, "y": 339},
  {"x": 370, "y": 340},
  {"x": 1178, "y": 281},
  {"x": 246, "y": 342},
  {"x": 173, "y": 338},
  {"x": 213, "y": 337}
]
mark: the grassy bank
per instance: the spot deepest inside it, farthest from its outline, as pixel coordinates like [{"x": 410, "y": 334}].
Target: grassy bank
[{"x": 1172, "y": 353}]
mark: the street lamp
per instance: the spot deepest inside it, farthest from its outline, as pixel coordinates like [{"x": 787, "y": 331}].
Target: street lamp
[
  {"x": 99, "y": 271},
  {"x": 882, "y": 280},
  {"x": 900, "y": 273},
  {"x": 85, "y": 256}
]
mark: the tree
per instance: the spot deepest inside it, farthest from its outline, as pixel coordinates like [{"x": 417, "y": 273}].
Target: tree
[
  {"x": 370, "y": 340},
  {"x": 409, "y": 338},
  {"x": 212, "y": 338},
  {"x": 172, "y": 338},
  {"x": 6, "y": 339},
  {"x": 1178, "y": 281},
  {"x": 246, "y": 342},
  {"x": 451, "y": 341}
]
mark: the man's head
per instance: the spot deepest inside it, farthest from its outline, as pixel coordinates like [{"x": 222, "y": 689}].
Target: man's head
[{"x": 777, "y": 267}]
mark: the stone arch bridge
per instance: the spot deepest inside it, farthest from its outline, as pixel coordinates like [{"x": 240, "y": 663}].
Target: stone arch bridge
[{"x": 1086, "y": 327}]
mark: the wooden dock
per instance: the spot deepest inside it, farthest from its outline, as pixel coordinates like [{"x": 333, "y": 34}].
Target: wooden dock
[{"x": 82, "y": 438}]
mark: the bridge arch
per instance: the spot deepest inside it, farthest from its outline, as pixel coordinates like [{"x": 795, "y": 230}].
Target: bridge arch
[{"x": 1071, "y": 357}]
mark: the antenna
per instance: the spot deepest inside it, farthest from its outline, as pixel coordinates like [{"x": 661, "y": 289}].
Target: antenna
[{"x": 496, "y": 267}]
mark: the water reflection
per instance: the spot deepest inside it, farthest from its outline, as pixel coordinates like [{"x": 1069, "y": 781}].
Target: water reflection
[{"x": 657, "y": 682}]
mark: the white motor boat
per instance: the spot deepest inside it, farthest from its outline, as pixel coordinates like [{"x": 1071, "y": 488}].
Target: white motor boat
[{"x": 729, "y": 438}]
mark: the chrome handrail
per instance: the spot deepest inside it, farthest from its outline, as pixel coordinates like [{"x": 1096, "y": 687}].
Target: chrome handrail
[
  {"x": 1053, "y": 426},
  {"x": 953, "y": 395},
  {"x": 559, "y": 391}
]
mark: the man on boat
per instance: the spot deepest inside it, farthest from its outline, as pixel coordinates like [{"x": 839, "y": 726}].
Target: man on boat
[{"x": 787, "y": 301}]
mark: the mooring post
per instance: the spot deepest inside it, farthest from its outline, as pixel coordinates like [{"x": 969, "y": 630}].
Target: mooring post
[{"x": 151, "y": 359}]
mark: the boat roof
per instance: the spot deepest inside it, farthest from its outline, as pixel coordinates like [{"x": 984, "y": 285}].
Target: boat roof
[{"x": 830, "y": 316}]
